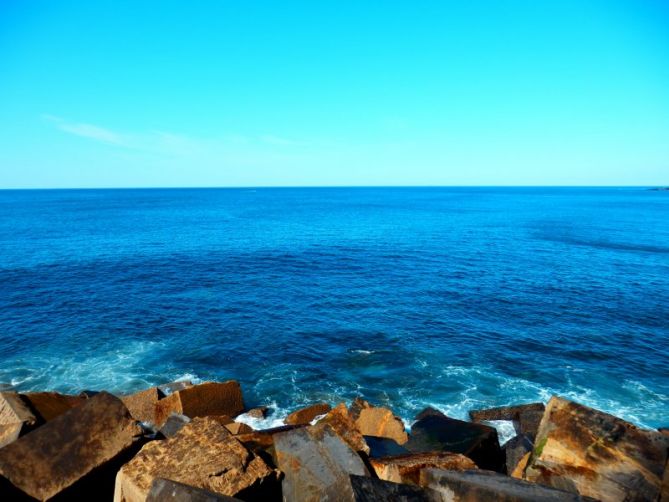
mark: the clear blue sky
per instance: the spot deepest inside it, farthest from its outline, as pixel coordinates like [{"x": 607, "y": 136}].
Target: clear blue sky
[{"x": 237, "y": 93}]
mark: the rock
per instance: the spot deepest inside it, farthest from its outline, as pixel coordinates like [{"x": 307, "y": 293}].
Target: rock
[
  {"x": 142, "y": 404},
  {"x": 15, "y": 417},
  {"x": 339, "y": 419},
  {"x": 83, "y": 442},
  {"x": 169, "y": 388},
  {"x": 384, "y": 447},
  {"x": 48, "y": 405},
  {"x": 476, "y": 441},
  {"x": 381, "y": 422},
  {"x": 263, "y": 439},
  {"x": 367, "y": 489},
  {"x": 166, "y": 490},
  {"x": 173, "y": 424},
  {"x": 304, "y": 416},
  {"x": 514, "y": 450},
  {"x": 203, "y": 454},
  {"x": 10, "y": 433},
  {"x": 260, "y": 412},
  {"x": 406, "y": 468},
  {"x": 485, "y": 486},
  {"x": 525, "y": 417},
  {"x": 357, "y": 406},
  {"x": 316, "y": 464},
  {"x": 664, "y": 430},
  {"x": 209, "y": 398},
  {"x": 519, "y": 471},
  {"x": 429, "y": 412},
  {"x": 238, "y": 428},
  {"x": 87, "y": 394},
  {"x": 599, "y": 455},
  {"x": 222, "y": 419}
]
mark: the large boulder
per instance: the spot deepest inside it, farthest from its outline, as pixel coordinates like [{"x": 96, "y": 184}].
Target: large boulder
[
  {"x": 366, "y": 489},
  {"x": 304, "y": 416},
  {"x": 210, "y": 398},
  {"x": 525, "y": 417},
  {"x": 202, "y": 454},
  {"x": 48, "y": 405},
  {"x": 476, "y": 441},
  {"x": 142, "y": 404},
  {"x": 485, "y": 486},
  {"x": 340, "y": 420},
  {"x": 378, "y": 422},
  {"x": 596, "y": 454},
  {"x": 316, "y": 464},
  {"x": 166, "y": 490},
  {"x": 384, "y": 447},
  {"x": 406, "y": 468},
  {"x": 515, "y": 449},
  {"x": 85, "y": 442}
]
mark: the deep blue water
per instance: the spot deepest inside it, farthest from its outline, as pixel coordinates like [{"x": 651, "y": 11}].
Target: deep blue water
[{"x": 454, "y": 297}]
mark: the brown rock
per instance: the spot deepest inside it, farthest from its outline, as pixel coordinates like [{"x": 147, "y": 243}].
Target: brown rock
[
  {"x": 62, "y": 453},
  {"x": 406, "y": 468},
  {"x": 222, "y": 419},
  {"x": 519, "y": 471},
  {"x": 304, "y": 416},
  {"x": 49, "y": 405},
  {"x": 316, "y": 464},
  {"x": 486, "y": 486},
  {"x": 263, "y": 439},
  {"x": 381, "y": 422},
  {"x": 357, "y": 406},
  {"x": 260, "y": 412},
  {"x": 142, "y": 404},
  {"x": 525, "y": 417},
  {"x": 238, "y": 428},
  {"x": 202, "y": 454},
  {"x": 209, "y": 398},
  {"x": 599, "y": 455},
  {"x": 341, "y": 422},
  {"x": 15, "y": 417},
  {"x": 476, "y": 441}
]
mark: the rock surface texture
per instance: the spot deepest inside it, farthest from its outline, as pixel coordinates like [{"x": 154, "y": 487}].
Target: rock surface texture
[
  {"x": 304, "y": 416},
  {"x": 202, "y": 454},
  {"x": 406, "y": 468},
  {"x": 596, "y": 454},
  {"x": 67, "y": 449},
  {"x": 316, "y": 464}
]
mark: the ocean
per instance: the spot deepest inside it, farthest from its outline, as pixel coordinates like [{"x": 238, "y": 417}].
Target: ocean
[{"x": 457, "y": 298}]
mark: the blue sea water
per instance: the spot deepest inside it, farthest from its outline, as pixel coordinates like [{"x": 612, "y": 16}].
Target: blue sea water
[{"x": 458, "y": 298}]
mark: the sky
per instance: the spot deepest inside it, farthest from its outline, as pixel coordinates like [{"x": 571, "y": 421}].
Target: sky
[{"x": 314, "y": 93}]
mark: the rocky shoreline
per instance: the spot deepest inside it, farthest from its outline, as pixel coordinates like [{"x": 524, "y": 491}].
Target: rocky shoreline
[{"x": 185, "y": 442}]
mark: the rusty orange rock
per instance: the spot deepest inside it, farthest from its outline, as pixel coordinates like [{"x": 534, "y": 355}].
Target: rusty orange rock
[
  {"x": 406, "y": 468},
  {"x": 304, "y": 416}
]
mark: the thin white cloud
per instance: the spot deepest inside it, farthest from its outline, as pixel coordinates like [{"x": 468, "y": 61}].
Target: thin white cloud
[{"x": 86, "y": 130}]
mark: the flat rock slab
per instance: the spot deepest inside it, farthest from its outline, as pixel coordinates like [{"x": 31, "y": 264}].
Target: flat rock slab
[
  {"x": 48, "y": 405},
  {"x": 599, "y": 455},
  {"x": 381, "y": 422},
  {"x": 202, "y": 454},
  {"x": 166, "y": 490},
  {"x": 525, "y": 417},
  {"x": 486, "y": 486},
  {"x": 65, "y": 450},
  {"x": 340, "y": 420},
  {"x": 316, "y": 464},
  {"x": 142, "y": 405},
  {"x": 366, "y": 489},
  {"x": 304, "y": 416},
  {"x": 211, "y": 398},
  {"x": 477, "y": 441},
  {"x": 406, "y": 468}
]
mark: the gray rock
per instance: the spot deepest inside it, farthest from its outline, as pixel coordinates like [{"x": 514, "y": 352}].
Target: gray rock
[
  {"x": 367, "y": 489},
  {"x": 384, "y": 447},
  {"x": 166, "y": 490},
  {"x": 316, "y": 463},
  {"x": 515, "y": 449},
  {"x": 173, "y": 424},
  {"x": 485, "y": 486},
  {"x": 476, "y": 441}
]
